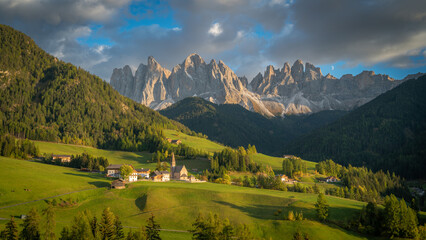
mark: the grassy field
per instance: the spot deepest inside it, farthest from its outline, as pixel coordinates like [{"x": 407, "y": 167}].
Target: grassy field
[
  {"x": 137, "y": 159},
  {"x": 195, "y": 142},
  {"x": 175, "y": 204},
  {"x": 211, "y": 147}
]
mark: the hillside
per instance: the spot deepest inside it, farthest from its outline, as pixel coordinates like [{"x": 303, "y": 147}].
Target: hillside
[
  {"x": 183, "y": 201},
  {"x": 235, "y": 126},
  {"x": 43, "y": 98},
  {"x": 387, "y": 133}
]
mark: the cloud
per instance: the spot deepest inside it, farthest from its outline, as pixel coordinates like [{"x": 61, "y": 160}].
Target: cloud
[
  {"x": 248, "y": 35},
  {"x": 215, "y": 29},
  {"x": 358, "y": 32}
]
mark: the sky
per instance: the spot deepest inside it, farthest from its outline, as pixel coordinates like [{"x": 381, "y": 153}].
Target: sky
[{"x": 340, "y": 36}]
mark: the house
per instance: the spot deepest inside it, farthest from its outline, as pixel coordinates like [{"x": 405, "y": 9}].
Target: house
[
  {"x": 165, "y": 176},
  {"x": 63, "y": 158},
  {"x": 160, "y": 176},
  {"x": 177, "y": 142},
  {"x": 133, "y": 176},
  {"x": 283, "y": 178},
  {"x": 192, "y": 179},
  {"x": 178, "y": 172},
  {"x": 288, "y": 156},
  {"x": 332, "y": 179},
  {"x": 143, "y": 172},
  {"x": 169, "y": 140},
  {"x": 113, "y": 170},
  {"x": 118, "y": 184}
]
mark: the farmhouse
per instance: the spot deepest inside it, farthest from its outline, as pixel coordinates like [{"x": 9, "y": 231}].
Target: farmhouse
[
  {"x": 160, "y": 176},
  {"x": 113, "y": 170},
  {"x": 63, "y": 158},
  {"x": 177, "y": 142},
  {"x": 283, "y": 178},
  {"x": 178, "y": 172},
  {"x": 118, "y": 184},
  {"x": 332, "y": 179},
  {"x": 288, "y": 156},
  {"x": 143, "y": 172}
]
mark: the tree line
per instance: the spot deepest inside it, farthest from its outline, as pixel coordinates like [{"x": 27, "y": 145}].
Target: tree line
[
  {"x": 85, "y": 225},
  {"x": 81, "y": 161},
  {"x": 363, "y": 184},
  {"x": 23, "y": 149}
]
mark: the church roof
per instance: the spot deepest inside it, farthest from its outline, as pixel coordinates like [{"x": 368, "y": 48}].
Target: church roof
[{"x": 179, "y": 168}]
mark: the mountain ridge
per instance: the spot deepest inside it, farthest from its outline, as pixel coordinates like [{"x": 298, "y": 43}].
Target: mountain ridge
[{"x": 297, "y": 89}]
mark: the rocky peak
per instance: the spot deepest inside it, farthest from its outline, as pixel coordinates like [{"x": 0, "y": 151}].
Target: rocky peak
[
  {"x": 193, "y": 59},
  {"x": 286, "y": 68},
  {"x": 269, "y": 72},
  {"x": 297, "y": 70},
  {"x": 312, "y": 72}
]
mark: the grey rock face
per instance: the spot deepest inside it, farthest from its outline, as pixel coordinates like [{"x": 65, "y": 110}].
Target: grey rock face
[
  {"x": 158, "y": 88},
  {"x": 304, "y": 89},
  {"x": 297, "y": 89}
]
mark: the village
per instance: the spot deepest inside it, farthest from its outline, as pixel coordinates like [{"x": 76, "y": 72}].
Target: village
[{"x": 176, "y": 173}]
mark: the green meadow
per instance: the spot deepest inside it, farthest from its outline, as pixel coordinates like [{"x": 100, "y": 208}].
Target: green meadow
[
  {"x": 211, "y": 147},
  {"x": 136, "y": 159},
  {"x": 175, "y": 204}
]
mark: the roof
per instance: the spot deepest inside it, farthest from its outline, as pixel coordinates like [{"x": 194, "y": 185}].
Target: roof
[
  {"x": 114, "y": 166},
  {"x": 164, "y": 172},
  {"x": 179, "y": 168},
  {"x": 142, "y": 170},
  {"x": 61, "y": 155},
  {"x": 117, "y": 183}
]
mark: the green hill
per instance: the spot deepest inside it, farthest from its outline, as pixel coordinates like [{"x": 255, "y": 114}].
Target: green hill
[
  {"x": 174, "y": 204},
  {"x": 43, "y": 98},
  {"x": 235, "y": 126},
  {"x": 387, "y": 133}
]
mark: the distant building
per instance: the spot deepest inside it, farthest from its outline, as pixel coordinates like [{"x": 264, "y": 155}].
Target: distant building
[
  {"x": 143, "y": 173},
  {"x": 160, "y": 176},
  {"x": 113, "y": 170},
  {"x": 118, "y": 184},
  {"x": 178, "y": 172},
  {"x": 283, "y": 178},
  {"x": 177, "y": 142},
  {"x": 63, "y": 158},
  {"x": 192, "y": 179},
  {"x": 289, "y": 156},
  {"x": 169, "y": 140},
  {"x": 332, "y": 179}
]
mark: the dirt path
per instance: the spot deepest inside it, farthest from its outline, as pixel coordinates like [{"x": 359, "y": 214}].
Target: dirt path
[{"x": 42, "y": 199}]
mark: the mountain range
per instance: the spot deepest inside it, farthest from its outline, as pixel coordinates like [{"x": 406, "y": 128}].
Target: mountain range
[{"x": 296, "y": 89}]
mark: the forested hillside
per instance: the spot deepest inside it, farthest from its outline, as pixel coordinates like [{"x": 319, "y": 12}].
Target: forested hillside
[
  {"x": 43, "y": 98},
  {"x": 235, "y": 126},
  {"x": 387, "y": 133}
]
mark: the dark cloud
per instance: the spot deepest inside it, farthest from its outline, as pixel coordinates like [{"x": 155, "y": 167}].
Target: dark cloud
[
  {"x": 391, "y": 32},
  {"x": 362, "y": 31}
]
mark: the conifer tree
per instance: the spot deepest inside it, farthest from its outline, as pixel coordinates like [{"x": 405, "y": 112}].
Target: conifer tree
[
  {"x": 11, "y": 230},
  {"x": 49, "y": 233},
  {"x": 30, "y": 226},
  {"x": 321, "y": 207},
  {"x": 107, "y": 224},
  {"x": 119, "y": 234},
  {"x": 152, "y": 229}
]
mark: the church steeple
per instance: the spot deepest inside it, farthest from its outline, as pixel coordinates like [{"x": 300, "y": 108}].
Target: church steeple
[{"x": 173, "y": 165}]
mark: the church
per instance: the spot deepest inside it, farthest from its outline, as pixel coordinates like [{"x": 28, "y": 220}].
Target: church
[{"x": 177, "y": 172}]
